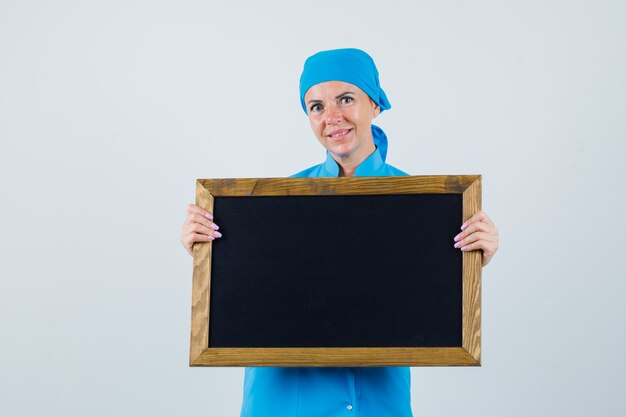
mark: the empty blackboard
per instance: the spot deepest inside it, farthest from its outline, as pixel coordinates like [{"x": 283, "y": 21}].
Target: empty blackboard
[{"x": 337, "y": 272}]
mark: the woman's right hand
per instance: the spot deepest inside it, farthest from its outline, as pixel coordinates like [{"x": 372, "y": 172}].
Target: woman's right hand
[{"x": 198, "y": 227}]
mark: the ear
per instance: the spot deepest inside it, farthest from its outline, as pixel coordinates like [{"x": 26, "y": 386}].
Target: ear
[{"x": 375, "y": 109}]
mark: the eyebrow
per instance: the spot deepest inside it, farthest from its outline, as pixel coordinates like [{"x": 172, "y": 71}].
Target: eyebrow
[{"x": 336, "y": 97}]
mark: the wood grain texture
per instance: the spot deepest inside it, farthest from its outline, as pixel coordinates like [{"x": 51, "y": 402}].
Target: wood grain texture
[
  {"x": 201, "y": 284},
  {"x": 441, "y": 184},
  {"x": 467, "y": 355},
  {"x": 454, "y": 356},
  {"x": 472, "y": 269}
]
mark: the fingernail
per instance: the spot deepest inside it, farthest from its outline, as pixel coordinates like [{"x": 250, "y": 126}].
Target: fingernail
[
  {"x": 217, "y": 234},
  {"x": 463, "y": 226},
  {"x": 457, "y": 237},
  {"x": 210, "y": 237},
  {"x": 464, "y": 248},
  {"x": 457, "y": 244},
  {"x": 208, "y": 216},
  {"x": 214, "y": 226}
]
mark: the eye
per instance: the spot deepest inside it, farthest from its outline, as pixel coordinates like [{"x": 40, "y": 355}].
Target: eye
[
  {"x": 316, "y": 107},
  {"x": 346, "y": 100}
]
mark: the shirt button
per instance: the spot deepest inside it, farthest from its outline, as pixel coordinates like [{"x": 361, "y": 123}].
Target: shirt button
[{"x": 349, "y": 407}]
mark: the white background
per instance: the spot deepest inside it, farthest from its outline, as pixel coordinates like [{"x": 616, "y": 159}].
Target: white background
[{"x": 109, "y": 111}]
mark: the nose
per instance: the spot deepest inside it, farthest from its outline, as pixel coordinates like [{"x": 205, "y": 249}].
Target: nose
[{"x": 333, "y": 115}]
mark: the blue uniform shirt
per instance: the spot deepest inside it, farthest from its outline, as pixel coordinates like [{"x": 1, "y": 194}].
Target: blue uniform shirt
[
  {"x": 330, "y": 392},
  {"x": 373, "y": 166}
]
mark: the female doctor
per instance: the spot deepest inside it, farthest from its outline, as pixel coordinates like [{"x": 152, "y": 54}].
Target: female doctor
[{"x": 340, "y": 93}]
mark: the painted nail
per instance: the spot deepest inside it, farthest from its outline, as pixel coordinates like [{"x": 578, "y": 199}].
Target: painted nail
[
  {"x": 210, "y": 237},
  {"x": 464, "y": 226},
  {"x": 214, "y": 226},
  {"x": 217, "y": 234},
  {"x": 208, "y": 216},
  {"x": 457, "y": 244},
  {"x": 457, "y": 237},
  {"x": 464, "y": 248}
]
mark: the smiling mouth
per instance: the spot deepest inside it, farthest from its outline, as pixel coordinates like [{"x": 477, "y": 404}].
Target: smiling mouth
[{"x": 338, "y": 134}]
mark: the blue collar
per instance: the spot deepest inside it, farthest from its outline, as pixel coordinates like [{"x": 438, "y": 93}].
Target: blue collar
[{"x": 366, "y": 168}]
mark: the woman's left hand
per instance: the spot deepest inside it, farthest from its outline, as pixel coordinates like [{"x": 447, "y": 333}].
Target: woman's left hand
[{"x": 478, "y": 232}]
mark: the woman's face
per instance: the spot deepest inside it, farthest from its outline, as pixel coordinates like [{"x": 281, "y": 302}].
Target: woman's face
[{"x": 341, "y": 117}]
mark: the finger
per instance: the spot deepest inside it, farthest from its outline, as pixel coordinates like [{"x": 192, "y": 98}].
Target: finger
[
  {"x": 468, "y": 230},
  {"x": 475, "y": 227},
  {"x": 192, "y": 208},
  {"x": 197, "y": 237},
  {"x": 475, "y": 218},
  {"x": 202, "y": 229},
  {"x": 193, "y": 238},
  {"x": 480, "y": 216},
  {"x": 197, "y": 218},
  {"x": 487, "y": 248},
  {"x": 474, "y": 237}
]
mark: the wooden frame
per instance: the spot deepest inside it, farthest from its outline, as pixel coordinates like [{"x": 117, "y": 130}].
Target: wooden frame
[{"x": 466, "y": 355}]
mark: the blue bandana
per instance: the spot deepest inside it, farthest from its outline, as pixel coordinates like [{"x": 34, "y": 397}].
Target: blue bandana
[{"x": 351, "y": 66}]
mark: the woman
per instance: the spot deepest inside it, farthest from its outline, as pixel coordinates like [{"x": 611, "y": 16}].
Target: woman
[{"x": 341, "y": 94}]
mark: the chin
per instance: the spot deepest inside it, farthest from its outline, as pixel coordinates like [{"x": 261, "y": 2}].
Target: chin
[
  {"x": 341, "y": 152},
  {"x": 343, "y": 149}
]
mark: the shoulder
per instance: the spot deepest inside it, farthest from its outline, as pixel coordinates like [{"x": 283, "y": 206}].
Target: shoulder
[
  {"x": 313, "y": 171},
  {"x": 390, "y": 170}
]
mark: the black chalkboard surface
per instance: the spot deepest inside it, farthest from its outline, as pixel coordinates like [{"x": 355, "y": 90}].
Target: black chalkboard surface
[
  {"x": 327, "y": 272},
  {"x": 345, "y": 271}
]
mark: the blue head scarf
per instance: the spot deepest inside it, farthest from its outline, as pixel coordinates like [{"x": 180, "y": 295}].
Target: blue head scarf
[{"x": 351, "y": 66}]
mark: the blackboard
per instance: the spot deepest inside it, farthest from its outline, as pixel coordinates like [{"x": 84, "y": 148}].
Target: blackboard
[{"x": 337, "y": 272}]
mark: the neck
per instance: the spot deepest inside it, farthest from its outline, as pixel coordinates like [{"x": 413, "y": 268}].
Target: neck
[
  {"x": 346, "y": 172},
  {"x": 349, "y": 163}
]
